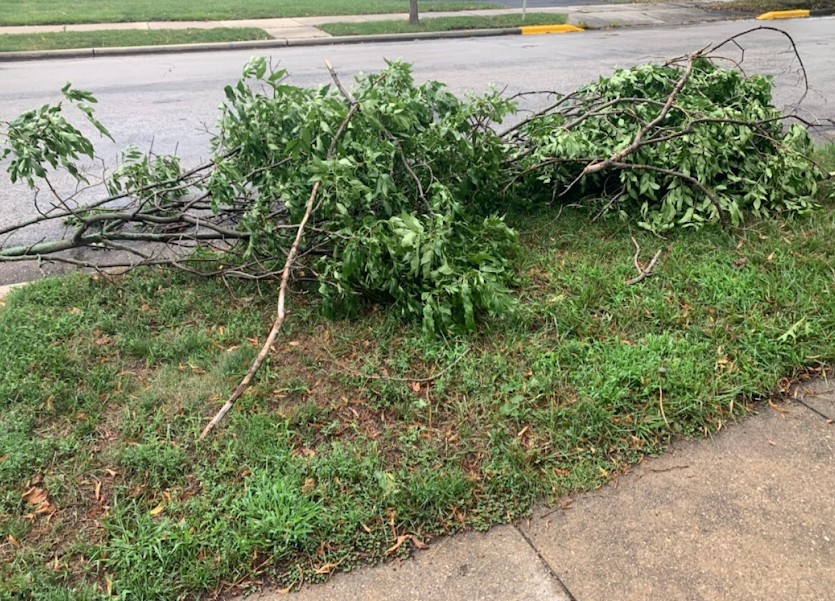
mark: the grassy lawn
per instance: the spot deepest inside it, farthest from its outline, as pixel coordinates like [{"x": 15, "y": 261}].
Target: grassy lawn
[
  {"x": 442, "y": 24},
  {"x": 48, "y": 12},
  {"x": 105, "y": 384},
  {"x": 139, "y": 37},
  {"x": 764, "y": 6}
]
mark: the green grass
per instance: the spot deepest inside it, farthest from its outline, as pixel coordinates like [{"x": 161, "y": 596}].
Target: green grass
[
  {"x": 105, "y": 385},
  {"x": 63, "y": 12},
  {"x": 139, "y": 37},
  {"x": 442, "y": 24},
  {"x": 764, "y": 6}
]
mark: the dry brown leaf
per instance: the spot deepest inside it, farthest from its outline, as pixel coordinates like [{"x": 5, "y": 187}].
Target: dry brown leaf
[
  {"x": 415, "y": 386},
  {"x": 777, "y": 408},
  {"x": 294, "y": 343},
  {"x": 770, "y": 257},
  {"x": 326, "y": 569},
  {"x": 35, "y": 495},
  {"x": 14, "y": 541},
  {"x": 98, "y": 491},
  {"x": 399, "y": 541},
  {"x": 309, "y": 484},
  {"x": 740, "y": 263},
  {"x": 159, "y": 508},
  {"x": 402, "y": 539}
]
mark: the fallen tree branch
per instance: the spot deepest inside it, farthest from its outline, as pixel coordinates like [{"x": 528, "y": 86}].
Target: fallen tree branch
[
  {"x": 282, "y": 289},
  {"x": 280, "y": 314}
]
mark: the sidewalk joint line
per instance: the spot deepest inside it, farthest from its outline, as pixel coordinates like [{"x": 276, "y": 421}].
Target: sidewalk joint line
[{"x": 544, "y": 561}]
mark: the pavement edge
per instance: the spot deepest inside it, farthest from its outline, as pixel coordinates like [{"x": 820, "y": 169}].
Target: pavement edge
[
  {"x": 795, "y": 14},
  {"x": 280, "y": 43}
]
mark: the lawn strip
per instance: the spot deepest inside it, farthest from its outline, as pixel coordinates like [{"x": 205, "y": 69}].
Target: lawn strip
[
  {"x": 441, "y": 24},
  {"x": 65, "y": 12},
  {"x": 126, "y": 38},
  {"x": 757, "y": 7}
]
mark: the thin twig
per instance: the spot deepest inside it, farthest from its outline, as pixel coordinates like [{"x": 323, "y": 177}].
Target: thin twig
[
  {"x": 280, "y": 314},
  {"x": 646, "y": 272},
  {"x": 338, "y": 83}
]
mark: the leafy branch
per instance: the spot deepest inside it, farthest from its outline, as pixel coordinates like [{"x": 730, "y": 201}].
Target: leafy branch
[{"x": 394, "y": 192}]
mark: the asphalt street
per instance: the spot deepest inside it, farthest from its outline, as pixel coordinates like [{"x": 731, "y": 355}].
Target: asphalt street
[{"x": 171, "y": 101}]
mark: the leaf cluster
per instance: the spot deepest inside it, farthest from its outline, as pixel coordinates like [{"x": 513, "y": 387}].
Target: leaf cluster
[
  {"x": 43, "y": 138},
  {"x": 721, "y": 129},
  {"x": 397, "y": 218}
]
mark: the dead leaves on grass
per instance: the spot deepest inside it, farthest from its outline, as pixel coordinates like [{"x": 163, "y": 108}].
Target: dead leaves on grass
[{"x": 419, "y": 544}]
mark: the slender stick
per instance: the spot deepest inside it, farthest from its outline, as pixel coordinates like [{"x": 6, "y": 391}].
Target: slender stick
[
  {"x": 282, "y": 290},
  {"x": 642, "y": 273},
  {"x": 265, "y": 350}
]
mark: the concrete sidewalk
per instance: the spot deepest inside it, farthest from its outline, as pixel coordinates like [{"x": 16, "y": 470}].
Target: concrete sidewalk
[
  {"x": 304, "y": 28},
  {"x": 746, "y": 515}
]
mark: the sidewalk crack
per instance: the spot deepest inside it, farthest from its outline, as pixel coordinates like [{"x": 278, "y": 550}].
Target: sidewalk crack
[
  {"x": 544, "y": 561},
  {"x": 813, "y": 410}
]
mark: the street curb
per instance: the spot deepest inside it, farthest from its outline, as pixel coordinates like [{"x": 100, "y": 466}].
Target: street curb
[
  {"x": 538, "y": 29},
  {"x": 277, "y": 43},
  {"x": 4, "y": 290},
  {"x": 796, "y": 14}
]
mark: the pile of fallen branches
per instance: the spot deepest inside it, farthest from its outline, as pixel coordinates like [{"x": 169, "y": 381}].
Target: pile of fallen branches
[{"x": 394, "y": 191}]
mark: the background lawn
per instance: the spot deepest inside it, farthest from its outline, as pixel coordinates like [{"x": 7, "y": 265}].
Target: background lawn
[
  {"x": 442, "y": 24},
  {"x": 139, "y": 37},
  {"x": 62, "y": 12}
]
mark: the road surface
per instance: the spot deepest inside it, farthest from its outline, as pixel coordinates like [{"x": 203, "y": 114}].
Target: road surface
[{"x": 169, "y": 101}]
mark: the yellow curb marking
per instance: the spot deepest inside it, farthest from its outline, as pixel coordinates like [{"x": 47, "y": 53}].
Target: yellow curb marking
[
  {"x": 536, "y": 29},
  {"x": 783, "y": 14}
]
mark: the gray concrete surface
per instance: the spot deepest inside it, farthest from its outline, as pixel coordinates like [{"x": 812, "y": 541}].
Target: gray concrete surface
[
  {"x": 817, "y": 394},
  {"x": 473, "y": 566},
  {"x": 747, "y": 515}
]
